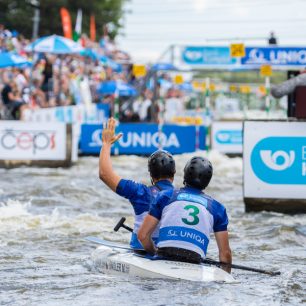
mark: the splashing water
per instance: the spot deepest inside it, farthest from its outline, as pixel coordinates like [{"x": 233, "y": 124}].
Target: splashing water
[{"x": 46, "y": 213}]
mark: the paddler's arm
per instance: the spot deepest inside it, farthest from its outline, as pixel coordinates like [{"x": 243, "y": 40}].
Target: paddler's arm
[
  {"x": 106, "y": 172},
  {"x": 145, "y": 232},
  {"x": 225, "y": 253}
]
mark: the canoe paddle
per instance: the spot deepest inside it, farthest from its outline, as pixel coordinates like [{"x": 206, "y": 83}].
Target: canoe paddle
[
  {"x": 207, "y": 260},
  {"x": 110, "y": 244},
  {"x": 220, "y": 263}
]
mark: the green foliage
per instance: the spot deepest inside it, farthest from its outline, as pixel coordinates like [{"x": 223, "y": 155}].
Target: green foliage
[{"x": 18, "y": 15}]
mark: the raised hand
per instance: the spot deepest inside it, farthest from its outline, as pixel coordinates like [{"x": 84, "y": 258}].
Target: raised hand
[{"x": 108, "y": 133}]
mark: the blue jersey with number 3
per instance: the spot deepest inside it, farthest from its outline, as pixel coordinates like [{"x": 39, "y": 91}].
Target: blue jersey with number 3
[{"x": 187, "y": 217}]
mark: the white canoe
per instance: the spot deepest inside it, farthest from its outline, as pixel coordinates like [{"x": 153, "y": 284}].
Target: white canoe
[{"x": 110, "y": 260}]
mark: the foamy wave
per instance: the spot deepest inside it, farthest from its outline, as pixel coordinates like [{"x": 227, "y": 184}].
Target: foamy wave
[
  {"x": 16, "y": 221},
  {"x": 13, "y": 208},
  {"x": 224, "y": 165}
]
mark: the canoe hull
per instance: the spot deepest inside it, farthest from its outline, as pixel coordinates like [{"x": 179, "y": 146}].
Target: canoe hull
[{"x": 114, "y": 261}]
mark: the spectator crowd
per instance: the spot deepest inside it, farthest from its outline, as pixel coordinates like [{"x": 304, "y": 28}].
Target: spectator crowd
[{"x": 60, "y": 80}]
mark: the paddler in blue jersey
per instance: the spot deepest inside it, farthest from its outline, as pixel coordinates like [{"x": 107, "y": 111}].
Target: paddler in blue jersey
[
  {"x": 186, "y": 217},
  {"x": 161, "y": 166}
]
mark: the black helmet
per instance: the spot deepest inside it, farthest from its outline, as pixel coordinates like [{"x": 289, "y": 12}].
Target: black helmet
[
  {"x": 198, "y": 172},
  {"x": 161, "y": 164}
]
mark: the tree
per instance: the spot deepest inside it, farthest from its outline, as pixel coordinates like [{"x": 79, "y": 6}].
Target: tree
[{"x": 18, "y": 15}]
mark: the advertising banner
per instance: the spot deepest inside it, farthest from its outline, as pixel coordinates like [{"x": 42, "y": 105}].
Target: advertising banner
[
  {"x": 143, "y": 138},
  {"x": 66, "y": 22},
  {"x": 274, "y": 160},
  {"x": 32, "y": 141},
  {"x": 92, "y": 28},
  {"x": 96, "y": 113},
  {"x": 255, "y": 57},
  {"x": 208, "y": 56},
  {"x": 226, "y": 137},
  {"x": 275, "y": 56}
]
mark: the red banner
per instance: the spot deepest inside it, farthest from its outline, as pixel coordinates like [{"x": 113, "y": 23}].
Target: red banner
[
  {"x": 66, "y": 23},
  {"x": 92, "y": 28}
]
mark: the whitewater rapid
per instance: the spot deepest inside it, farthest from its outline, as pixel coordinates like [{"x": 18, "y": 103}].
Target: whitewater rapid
[{"x": 46, "y": 213}]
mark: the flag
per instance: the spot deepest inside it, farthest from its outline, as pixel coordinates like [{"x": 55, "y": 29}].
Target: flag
[
  {"x": 78, "y": 26},
  {"x": 92, "y": 28},
  {"x": 66, "y": 22}
]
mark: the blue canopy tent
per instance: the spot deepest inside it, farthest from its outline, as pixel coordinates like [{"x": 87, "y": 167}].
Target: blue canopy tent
[
  {"x": 111, "y": 63},
  {"x": 186, "y": 86},
  {"x": 163, "y": 66},
  {"x": 111, "y": 87},
  {"x": 10, "y": 59},
  {"x": 88, "y": 52}
]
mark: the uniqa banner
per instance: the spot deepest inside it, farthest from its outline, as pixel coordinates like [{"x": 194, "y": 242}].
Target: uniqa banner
[
  {"x": 255, "y": 56},
  {"x": 144, "y": 138},
  {"x": 275, "y": 56},
  {"x": 274, "y": 159},
  {"x": 32, "y": 141}
]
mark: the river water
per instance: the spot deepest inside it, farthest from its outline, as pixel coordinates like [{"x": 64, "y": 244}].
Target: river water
[{"x": 46, "y": 213}]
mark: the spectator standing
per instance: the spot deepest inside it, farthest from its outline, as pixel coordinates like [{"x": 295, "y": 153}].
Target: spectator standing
[{"x": 11, "y": 98}]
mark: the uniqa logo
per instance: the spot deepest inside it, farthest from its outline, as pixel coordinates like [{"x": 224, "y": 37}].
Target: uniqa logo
[
  {"x": 280, "y": 160},
  {"x": 143, "y": 139},
  {"x": 257, "y": 56}
]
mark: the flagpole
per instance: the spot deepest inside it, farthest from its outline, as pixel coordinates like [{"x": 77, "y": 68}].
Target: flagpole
[{"x": 36, "y": 19}]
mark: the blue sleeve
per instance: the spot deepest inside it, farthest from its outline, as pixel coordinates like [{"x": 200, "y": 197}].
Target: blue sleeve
[
  {"x": 157, "y": 206},
  {"x": 131, "y": 190},
  {"x": 220, "y": 217},
  {"x": 138, "y": 194}
]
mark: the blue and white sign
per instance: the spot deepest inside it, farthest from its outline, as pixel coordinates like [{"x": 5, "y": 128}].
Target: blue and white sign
[
  {"x": 280, "y": 160},
  {"x": 227, "y": 137},
  {"x": 275, "y": 160},
  {"x": 275, "y": 56},
  {"x": 94, "y": 113},
  {"x": 207, "y": 56},
  {"x": 219, "y": 57},
  {"x": 141, "y": 138}
]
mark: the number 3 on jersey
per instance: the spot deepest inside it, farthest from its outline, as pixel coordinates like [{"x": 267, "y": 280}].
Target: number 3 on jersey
[{"x": 193, "y": 218}]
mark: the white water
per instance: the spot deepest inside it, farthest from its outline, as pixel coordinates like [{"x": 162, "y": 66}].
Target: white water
[{"x": 46, "y": 213}]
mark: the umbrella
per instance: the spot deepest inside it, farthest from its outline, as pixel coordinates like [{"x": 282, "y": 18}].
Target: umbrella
[
  {"x": 110, "y": 63},
  {"x": 9, "y": 59},
  {"x": 90, "y": 53},
  {"x": 110, "y": 87},
  {"x": 163, "y": 66},
  {"x": 54, "y": 44},
  {"x": 187, "y": 87}
]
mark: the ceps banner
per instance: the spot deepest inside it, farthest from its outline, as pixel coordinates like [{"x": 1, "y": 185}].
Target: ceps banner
[
  {"x": 275, "y": 160},
  {"x": 144, "y": 138},
  {"x": 32, "y": 141}
]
